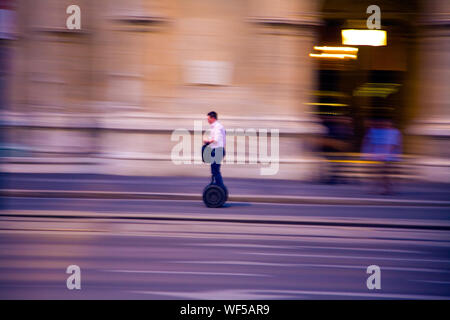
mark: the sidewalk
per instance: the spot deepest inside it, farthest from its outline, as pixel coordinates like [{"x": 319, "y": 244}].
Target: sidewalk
[{"x": 242, "y": 190}]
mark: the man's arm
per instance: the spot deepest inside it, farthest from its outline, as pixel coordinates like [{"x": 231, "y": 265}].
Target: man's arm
[{"x": 213, "y": 137}]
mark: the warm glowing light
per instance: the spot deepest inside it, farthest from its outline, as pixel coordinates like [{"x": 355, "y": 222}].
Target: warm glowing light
[
  {"x": 336, "y": 49},
  {"x": 364, "y": 37},
  {"x": 376, "y": 89},
  {"x": 333, "y": 55},
  {"x": 326, "y": 104}
]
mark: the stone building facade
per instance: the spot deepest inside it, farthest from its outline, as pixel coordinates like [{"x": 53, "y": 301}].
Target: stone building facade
[{"x": 107, "y": 98}]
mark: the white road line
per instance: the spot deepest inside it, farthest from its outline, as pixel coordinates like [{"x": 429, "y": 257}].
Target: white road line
[
  {"x": 277, "y": 294},
  {"x": 246, "y": 263},
  {"x": 432, "y": 281},
  {"x": 341, "y": 257},
  {"x": 312, "y": 265},
  {"x": 238, "y": 245},
  {"x": 361, "y": 249},
  {"x": 190, "y": 273}
]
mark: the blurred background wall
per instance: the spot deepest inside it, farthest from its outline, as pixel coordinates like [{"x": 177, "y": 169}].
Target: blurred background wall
[{"x": 106, "y": 98}]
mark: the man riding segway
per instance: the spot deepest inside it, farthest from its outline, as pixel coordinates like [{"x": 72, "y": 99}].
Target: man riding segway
[{"x": 213, "y": 152}]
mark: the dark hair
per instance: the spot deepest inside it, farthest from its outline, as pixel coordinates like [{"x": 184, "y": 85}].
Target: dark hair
[{"x": 213, "y": 114}]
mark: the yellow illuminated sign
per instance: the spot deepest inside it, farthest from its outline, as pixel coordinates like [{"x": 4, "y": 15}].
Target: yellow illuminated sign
[{"x": 362, "y": 37}]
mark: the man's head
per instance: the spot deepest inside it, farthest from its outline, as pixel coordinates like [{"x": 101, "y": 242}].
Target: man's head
[{"x": 212, "y": 117}]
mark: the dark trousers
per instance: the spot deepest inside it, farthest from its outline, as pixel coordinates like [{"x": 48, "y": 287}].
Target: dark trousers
[{"x": 215, "y": 169}]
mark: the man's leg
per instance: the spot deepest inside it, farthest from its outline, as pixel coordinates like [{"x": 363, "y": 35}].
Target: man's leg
[
  {"x": 215, "y": 165},
  {"x": 215, "y": 170},
  {"x": 212, "y": 173}
]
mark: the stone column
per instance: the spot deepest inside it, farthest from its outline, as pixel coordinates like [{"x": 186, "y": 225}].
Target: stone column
[
  {"x": 285, "y": 33},
  {"x": 432, "y": 127},
  {"x": 50, "y": 88}
]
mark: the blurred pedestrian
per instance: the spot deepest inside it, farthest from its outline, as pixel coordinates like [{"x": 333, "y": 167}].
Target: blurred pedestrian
[{"x": 382, "y": 144}]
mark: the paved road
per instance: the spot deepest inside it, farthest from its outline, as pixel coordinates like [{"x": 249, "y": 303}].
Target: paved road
[
  {"x": 183, "y": 259},
  {"x": 232, "y": 209},
  {"x": 236, "y": 186}
]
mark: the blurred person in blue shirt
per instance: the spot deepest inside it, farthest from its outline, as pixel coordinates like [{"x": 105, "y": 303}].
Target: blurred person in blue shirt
[{"x": 382, "y": 143}]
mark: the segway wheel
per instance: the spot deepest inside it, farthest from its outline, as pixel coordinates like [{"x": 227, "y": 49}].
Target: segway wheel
[{"x": 214, "y": 196}]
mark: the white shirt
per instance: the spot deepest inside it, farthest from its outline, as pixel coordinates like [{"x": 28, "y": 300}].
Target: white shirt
[{"x": 217, "y": 134}]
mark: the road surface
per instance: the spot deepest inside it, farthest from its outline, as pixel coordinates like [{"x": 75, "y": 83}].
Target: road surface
[{"x": 123, "y": 256}]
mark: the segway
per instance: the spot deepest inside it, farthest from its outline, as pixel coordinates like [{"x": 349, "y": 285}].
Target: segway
[{"x": 214, "y": 195}]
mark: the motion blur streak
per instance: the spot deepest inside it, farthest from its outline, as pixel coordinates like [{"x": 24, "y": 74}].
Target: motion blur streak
[{"x": 91, "y": 93}]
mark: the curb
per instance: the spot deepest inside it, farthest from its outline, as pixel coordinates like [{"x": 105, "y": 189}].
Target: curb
[
  {"x": 236, "y": 198},
  {"x": 226, "y": 218}
]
